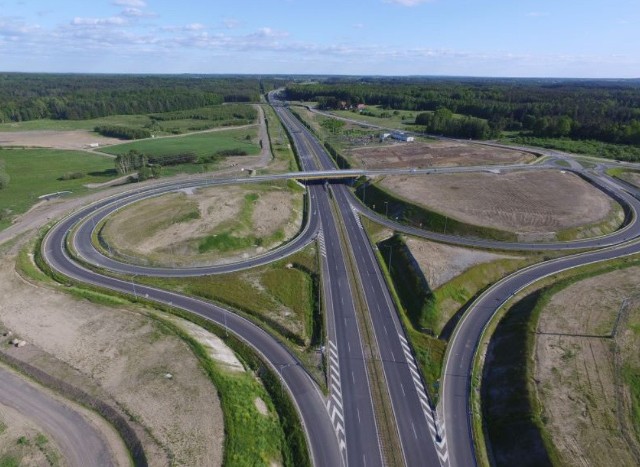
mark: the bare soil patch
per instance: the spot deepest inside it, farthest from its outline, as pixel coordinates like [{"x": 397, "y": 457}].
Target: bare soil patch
[
  {"x": 533, "y": 204},
  {"x": 127, "y": 355},
  {"x": 440, "y": 263},
  {"x": 577, "y": 381},
  {"x": 435, "y": 154},
  {"x": 169, "y": 229},
  {"x": 75, "y": 139}
]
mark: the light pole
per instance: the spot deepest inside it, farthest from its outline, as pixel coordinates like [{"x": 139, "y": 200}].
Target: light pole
[
  {"x": 386, "y": 208},
  {"x": 133, "y": 285}
]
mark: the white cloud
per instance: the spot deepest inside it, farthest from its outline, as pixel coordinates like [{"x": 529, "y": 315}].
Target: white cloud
[
  {"x": 111, "y": 21},
  {"x": 131, "y": 3},
  {"x": 407, "y": 2},
  {"x": 133, "y": 12},
  {"x": 230, "y": 23},
  {"x": 194, "y": 27}
]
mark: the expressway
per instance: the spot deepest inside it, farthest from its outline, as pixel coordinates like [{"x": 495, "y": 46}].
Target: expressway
[{"x": 342, "y": 428}]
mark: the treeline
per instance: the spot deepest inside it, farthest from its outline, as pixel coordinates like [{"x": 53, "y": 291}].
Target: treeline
[
  {"x": 122, "y": 132},
  {"x": 79, "y": 97},
  {"x": 603, "y": 110},
  {"x": 232, "y": 112},
  {"x": 443, "y": 122}
]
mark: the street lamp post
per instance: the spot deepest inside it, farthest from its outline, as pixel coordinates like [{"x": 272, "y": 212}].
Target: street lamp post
[{"x": 133, "y": 285}]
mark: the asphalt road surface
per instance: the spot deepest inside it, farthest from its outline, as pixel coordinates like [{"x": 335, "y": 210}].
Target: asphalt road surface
[
  {"x": 80, "y": 443},
  {"x": 342, "y": 427}
]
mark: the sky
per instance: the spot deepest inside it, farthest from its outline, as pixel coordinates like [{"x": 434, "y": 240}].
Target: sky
[{"x": 505, "y": 38}]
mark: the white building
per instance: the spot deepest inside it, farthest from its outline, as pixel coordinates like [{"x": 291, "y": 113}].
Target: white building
[{"x": 401, "y": 136}]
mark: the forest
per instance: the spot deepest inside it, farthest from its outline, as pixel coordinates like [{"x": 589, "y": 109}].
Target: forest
[
  {"x": 600, "y": 110},
  {"x": 80, "y": 97}
]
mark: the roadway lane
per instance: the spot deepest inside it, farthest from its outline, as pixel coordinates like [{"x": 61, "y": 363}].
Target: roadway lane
[
  {"x": 305, "y": 394},
  {"x": 350, "y": 402},
  {"x": 348, "y": 378},
  {"x": 81, "y": 444},
  {"x": 412, "y": 411},
  {"x": 456, "y": 380},
  {"x": 629, "y": 231}
]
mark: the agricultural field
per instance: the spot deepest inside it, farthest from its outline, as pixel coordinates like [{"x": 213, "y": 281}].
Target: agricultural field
[
  {"x": 36, "y": 172},
  {"x": 535, "y": 205},
  {"x": 202, "y": 144},
  {"x": 376, "y": 115},
  {"x": 158, "y": 124},
  {"x": 206, "y": 226},
  {"x": 586, "y": 370},
  {"x": 434, "y": 154}
]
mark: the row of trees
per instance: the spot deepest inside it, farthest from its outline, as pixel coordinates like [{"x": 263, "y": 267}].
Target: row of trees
[
  {"x": 232, "y": 112},
  {"x": 443, "y": 122},
  {"x": 122, "y": 132},
  {"x": 604, "y": 110},
  {"x": 78, "y": 97}
]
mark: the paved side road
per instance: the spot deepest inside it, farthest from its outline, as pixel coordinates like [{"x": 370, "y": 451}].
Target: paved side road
[{"x": 82, "y": 445}]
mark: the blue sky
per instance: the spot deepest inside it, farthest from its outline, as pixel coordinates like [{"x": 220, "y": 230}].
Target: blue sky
[{"x": 556, "y": 38}]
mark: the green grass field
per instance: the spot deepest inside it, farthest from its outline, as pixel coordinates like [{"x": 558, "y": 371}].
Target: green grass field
[
  {"x": 35, "y": 172},
  {"x": 137, "y": 121},
  {"x": 202, "y": 144},
  {"x": 399, "y": 119},
  {"x": 211, "y": 117}
]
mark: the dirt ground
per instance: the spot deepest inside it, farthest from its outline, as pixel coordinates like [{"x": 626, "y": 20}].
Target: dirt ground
[
  {"x": 533, "y": 204},
  {"x": 141, "y": 230},
  {"x": 575, "y": 370},
  {"x": 74, "y": 139},
  {"x": 128, "y": 355},
  {"x": 440, "y": 263},
  {"x": 435, "y": 154}
]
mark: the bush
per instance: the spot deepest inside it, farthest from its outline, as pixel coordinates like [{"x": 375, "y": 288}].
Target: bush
[
  {"x": 4, "y": 180},
  {"x": 232, "y": 152},
  {"x": 72, "y": 176}
]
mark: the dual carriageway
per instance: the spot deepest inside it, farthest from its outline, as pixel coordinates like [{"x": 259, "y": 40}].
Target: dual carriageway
[{"x": 343, "y": 427}]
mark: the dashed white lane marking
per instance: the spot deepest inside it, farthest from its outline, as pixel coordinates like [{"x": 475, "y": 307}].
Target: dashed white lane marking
[
  {"x": 357, "y": 217},
  {"x": 335, "y": 405},
  {"x": 435, "y": 427},
  {"x": 321, "y": 245}
]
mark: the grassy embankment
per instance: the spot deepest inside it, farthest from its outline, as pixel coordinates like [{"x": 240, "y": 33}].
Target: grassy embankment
[
  {"x": 159, "y": 124},
  {"x": 249, "y": 436},
  {"x": 509, "y": 420},
  {"x": 283, "y": 155},
  {"x": 36, "y": 172},
  {"x": 281, "y": 297}
]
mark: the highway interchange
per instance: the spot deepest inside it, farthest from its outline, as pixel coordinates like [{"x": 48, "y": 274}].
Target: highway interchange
[{"x": 342, "y": 427}]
